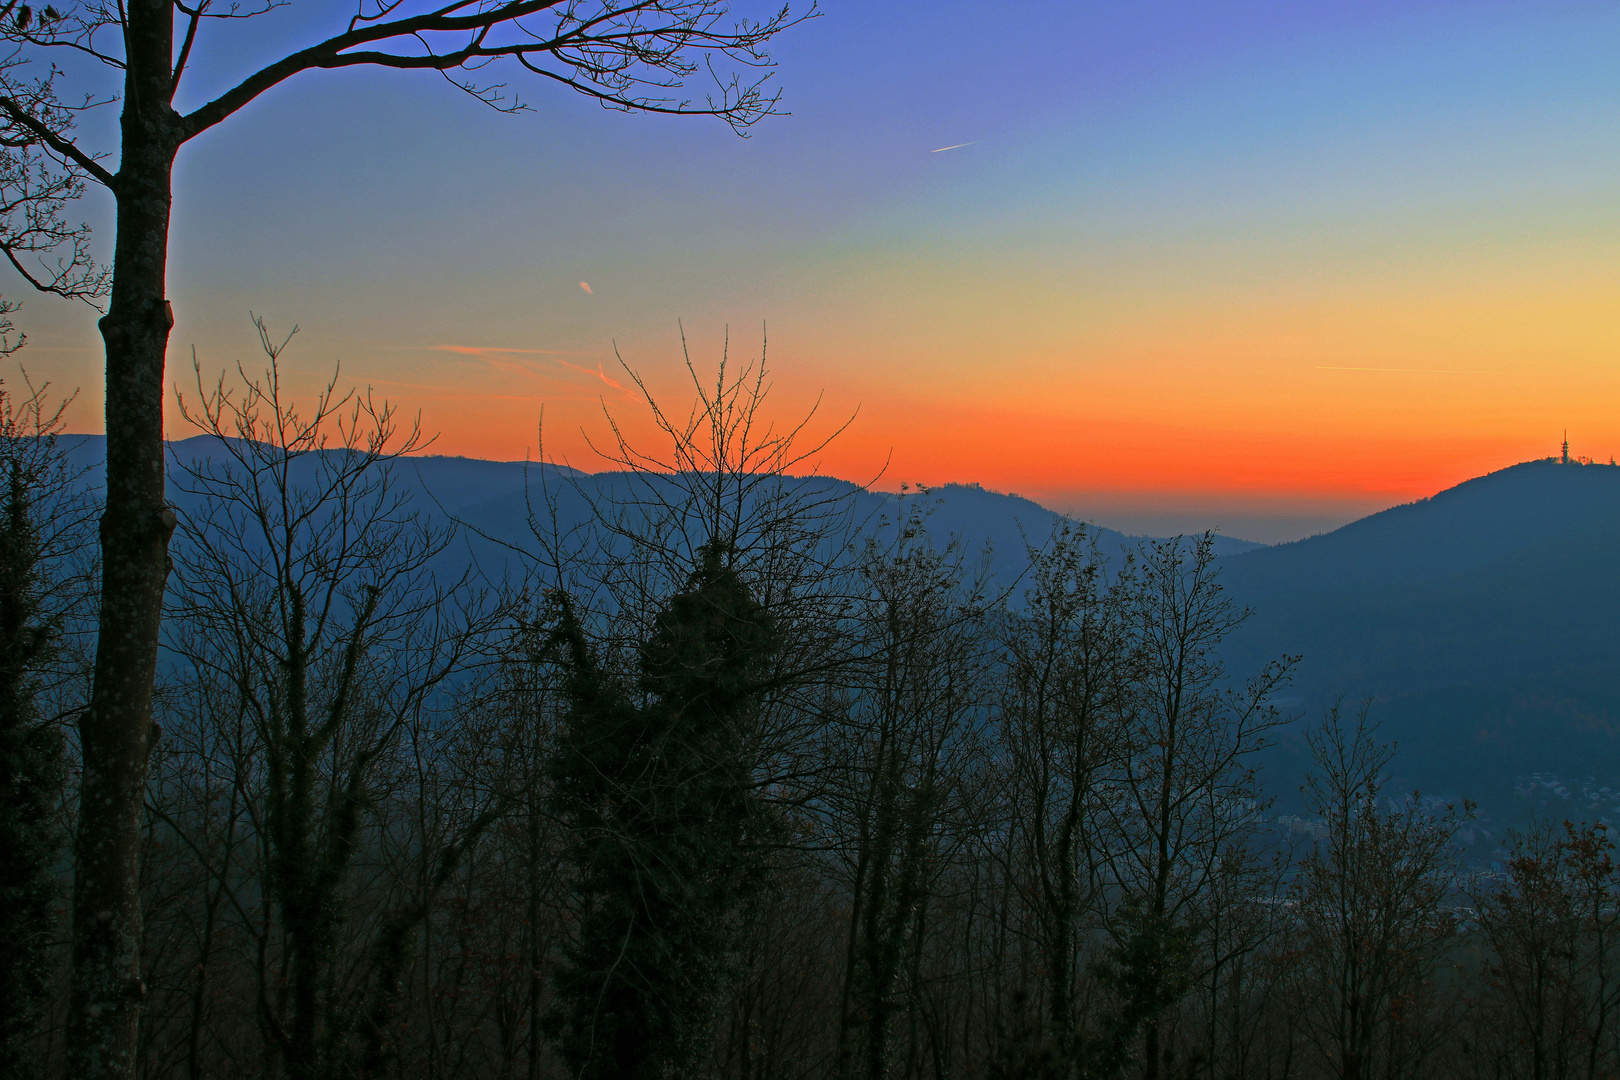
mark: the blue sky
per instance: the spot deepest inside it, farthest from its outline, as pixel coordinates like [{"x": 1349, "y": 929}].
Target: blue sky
[{"x": 1141, "y": 292}]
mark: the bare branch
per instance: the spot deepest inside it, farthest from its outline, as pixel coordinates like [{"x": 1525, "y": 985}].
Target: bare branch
[
  {"x": 621, "y": 54},
  {"x": 51, "y": 138}
]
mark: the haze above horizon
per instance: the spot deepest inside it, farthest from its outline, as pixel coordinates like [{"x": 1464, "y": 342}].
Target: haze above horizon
[{"x": 1250, "y": 264}]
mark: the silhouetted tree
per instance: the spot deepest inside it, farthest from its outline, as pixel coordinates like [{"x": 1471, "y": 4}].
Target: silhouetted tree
[
  {"x": 1370, "y": 903},
  {"x": 39, "y": 513},
  {"x": 909, "y": 747},
  {"x": 1552, "y": 928},
  {"x": 692, "y": 690},
  {"x": 634, "y": 55},
  {"x": 1070, "y": 660},
  {"x": 658, "y": 795},
  {"x": 305, "y": 579},
  {"x": 1186, "y": 793}
]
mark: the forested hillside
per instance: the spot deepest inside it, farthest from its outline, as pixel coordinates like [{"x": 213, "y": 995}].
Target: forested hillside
[
  {"x": 1480, "y": 621},
  {"x": 697, "y": 768}
]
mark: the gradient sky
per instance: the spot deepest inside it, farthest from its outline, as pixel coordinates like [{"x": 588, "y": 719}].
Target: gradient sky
[{"x": 1254, "y": 264}]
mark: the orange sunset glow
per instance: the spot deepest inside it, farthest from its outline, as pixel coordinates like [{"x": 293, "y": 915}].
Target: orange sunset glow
[{"x": 1265, "y": 281}]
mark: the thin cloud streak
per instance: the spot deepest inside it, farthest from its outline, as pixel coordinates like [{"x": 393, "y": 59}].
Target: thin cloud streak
[
  {"x": 599, "y": 373},
  {"x": 495, "y": 357},
  {"x": 955, "y": 146}
]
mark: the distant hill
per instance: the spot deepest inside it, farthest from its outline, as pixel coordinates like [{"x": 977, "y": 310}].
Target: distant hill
[
  {"x": 976, "y": 517},
  {"x": 494, "y": 498},
  {"x": 980, "y": 515},
  {"x": 1481, "y": 621}
]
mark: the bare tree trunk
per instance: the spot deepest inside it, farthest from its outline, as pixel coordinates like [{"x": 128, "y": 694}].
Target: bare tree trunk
[
  {"x": 536, "y": 945},
  {"x": 216, "y": 898},
  {"x": 116, "y": 732},
  {"x": 846, "y": 1015}
]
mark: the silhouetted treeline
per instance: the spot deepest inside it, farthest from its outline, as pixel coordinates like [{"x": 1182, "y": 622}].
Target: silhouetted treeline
[{"x": 725, "y": 783}]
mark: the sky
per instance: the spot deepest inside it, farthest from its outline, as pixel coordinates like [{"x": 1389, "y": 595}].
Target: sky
[{"x": 1259, "y": 265}]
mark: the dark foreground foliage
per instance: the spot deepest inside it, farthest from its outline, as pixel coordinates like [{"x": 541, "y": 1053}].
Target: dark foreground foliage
[{"x": 727, "y": 784}]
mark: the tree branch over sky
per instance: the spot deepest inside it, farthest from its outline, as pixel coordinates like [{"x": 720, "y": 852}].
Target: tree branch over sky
[
  {"x": 633, "y": 56},
  {"x": 687, "y": 57}
]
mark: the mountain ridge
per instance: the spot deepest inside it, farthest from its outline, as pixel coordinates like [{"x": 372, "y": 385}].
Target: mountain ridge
[{"x": 1480, "y": 622}]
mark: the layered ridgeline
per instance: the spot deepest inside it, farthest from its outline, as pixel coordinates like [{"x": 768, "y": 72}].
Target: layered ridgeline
[
  {"x": 1484, "y": 623},
  {"x": 496, "y": 501},
  {"x": 497, "y": 498}
]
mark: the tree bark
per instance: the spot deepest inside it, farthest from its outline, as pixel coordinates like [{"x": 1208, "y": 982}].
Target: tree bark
[{"x": 116, "y": 731}]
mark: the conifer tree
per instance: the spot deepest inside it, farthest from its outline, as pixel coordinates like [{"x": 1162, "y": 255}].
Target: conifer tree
[
  {"x": 654, "y": 782},
  {"x": 31, "y": 764}
]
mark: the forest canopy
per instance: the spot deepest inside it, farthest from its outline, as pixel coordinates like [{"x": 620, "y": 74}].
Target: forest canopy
[{"x": 731, "y": 781}]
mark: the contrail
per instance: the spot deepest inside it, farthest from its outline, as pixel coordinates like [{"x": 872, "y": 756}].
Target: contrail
[{"x": 958, "y": 146}]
